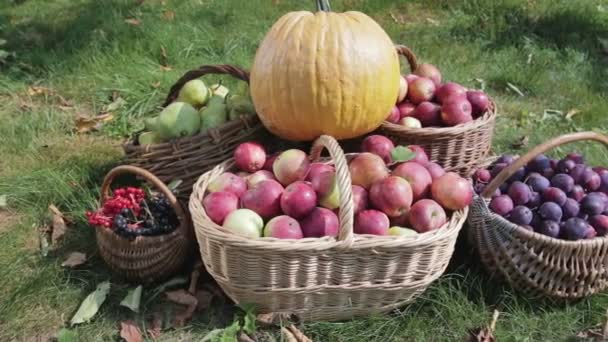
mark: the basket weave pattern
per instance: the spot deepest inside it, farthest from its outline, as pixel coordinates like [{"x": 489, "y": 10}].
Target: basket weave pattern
[
  {"x": 459, "y": 148},
  {"x": 146, "y": 258},
  {"x": 322, "y": 278},
  {"x": 186, "y": 158},
  {"x": 531, "y": 262}
]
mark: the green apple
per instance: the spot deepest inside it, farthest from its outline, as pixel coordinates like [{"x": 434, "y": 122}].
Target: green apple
[
  {"x": 244, "y": 222},
  {"x": 149, "y": 138},
  {"x": 151, "y": 124},
  {"x": 331, "y": 200},
  {"x": 195, "y": 93},
  {"x": 178, "y": 119},
  {"x": 401, "y": 231},
  {"x": 219, "y": 90}
]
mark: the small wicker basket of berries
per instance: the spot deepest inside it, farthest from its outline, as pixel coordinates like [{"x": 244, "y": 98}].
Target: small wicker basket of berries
[{"x": 143, "y": 234}]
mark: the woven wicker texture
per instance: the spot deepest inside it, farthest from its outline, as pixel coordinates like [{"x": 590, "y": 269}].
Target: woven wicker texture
[
  {"x": 186, "y": 158},
  {"x": 146, "y": 258},
  {"x": 322, "y": 278},
  {"x": 531, "y": 262},
  {"x": 459, "y": 148}
]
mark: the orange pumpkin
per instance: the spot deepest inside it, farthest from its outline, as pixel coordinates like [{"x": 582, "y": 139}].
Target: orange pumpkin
[{"x": 324, "y": 73}]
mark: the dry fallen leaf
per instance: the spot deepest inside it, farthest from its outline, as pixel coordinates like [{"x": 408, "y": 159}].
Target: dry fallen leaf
[
  {"x": 288, "y": 335},
  {"x": 58, "y": 227},
  {"x": 599, "y": 332},
  {"x": 298, "y": 334},
  {"x": 165, "y": 68},
  {"x": 86, "y": 124},
  {"x": 164, "y": 59},
  {"x": 242, "y": 337},
  {"x": 74, "y": 259},
  {"x": 572, "y": 112},
  {"x": 156, "y": 326},
  {"x": 155, "y": 85},
  {"x": 132, "y": 21},
  {"x": 130, "y": 332},
  {"x": 169, "y": 15},
  {"x": 521, "y": 142},
  {"x": 182, "y": 297},
  {"x": 36, "y": 90},
  {"x": 484, "y": 334},
  {"x": 398, "y": 18}
]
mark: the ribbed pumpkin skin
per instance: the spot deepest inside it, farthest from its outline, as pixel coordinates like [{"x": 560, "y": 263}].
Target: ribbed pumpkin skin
[{"x": 324, "y": 73}]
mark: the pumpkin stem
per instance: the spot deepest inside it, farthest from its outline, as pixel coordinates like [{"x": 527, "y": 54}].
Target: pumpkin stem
[{"x": 323, "y": 5}]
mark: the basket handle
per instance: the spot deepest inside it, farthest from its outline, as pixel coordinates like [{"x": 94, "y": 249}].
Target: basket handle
[
  {"x": 406, "y": 52},
  {"x": 343, "y": 180},
  {"x": 149, "y": 177},
  {"x": 222, "y": 69},
  {"x": 542, "y": 148}
]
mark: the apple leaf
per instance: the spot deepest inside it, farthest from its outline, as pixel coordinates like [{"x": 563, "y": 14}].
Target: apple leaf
[
  {"x": 90, "y": 305},
  {"x": 402, "y": 154},
  {"x": 230, "y": 332},
  {"x": 132, "y": 299}
]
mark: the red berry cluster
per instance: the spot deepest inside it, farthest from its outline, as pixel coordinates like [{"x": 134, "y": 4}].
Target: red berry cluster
[{"x": 129, "y": 198}]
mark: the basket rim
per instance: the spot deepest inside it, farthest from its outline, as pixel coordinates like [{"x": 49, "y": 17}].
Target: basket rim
[
  {"x": 450, "y": 228},
  {"x": 142, "y": 240},
  {"x": 533, "y": 236},
  {"x": 483, "y": 120}
]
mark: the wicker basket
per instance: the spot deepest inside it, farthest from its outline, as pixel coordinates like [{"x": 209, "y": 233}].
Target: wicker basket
[
  {"x": 322, "y": 278},
  {"x": 186, "y": 158},
  {"x": 531, "y": 262},
  {"x": 146, "y": 258},
  {"x": 459, "y": 148}
]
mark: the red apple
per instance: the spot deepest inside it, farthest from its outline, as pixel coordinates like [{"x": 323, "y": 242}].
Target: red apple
[
  {"x": 479, "y": 101},
  {"x": 410, "y": 122},
  {"x": 417, "y": 176},
  {"x": 360, "y": 198},
  {"x": 283, "y": 227},
  {"x": 452, "y": 191},
  {"x": 324, "y": 184},
  {"x": 410, "y": 78},
  {"x": 219, "y": 204},
  {"x": 406, "y": 109},
  {"x": 421, "y": 157},
  {"x": 298, "y": 199},
  {"x": 450, "y": 90},
  {"x": 371, "y": 222},
  {"x": 290, "y": 166},
  {"x": 434, "y": 169},
  {"x": 317, "y": 168},
  {"x": 422, "y": 89},
  {"x": 250, "y": 156},
  {"x": 392, "y": 195},
  {"x": 427, "y": 215},
  {"x": 402, "y": 89},
  {"x": 400, "y": 221},
  {"x": 270, "y": 161},
  {"x": 230, "y": 182},
  {"x": 264, "y": 198},
  {"x": 393, "y": 115},
  {"x": 378, "y": 145},
  {"x": 428, "y": 113},
  {"x": 366, "y": 169},
  {"x": 258, "y": 176},
  {"x": 429, "y": 71},
  {"x": 456, "y": 111},
  {"x": 320, "y": 222}
]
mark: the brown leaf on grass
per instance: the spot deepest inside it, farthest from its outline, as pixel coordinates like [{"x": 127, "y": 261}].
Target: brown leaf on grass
[
  {"x": 242, "y": 337},
  {"x": 130, "y": 332},
  {"x": 58, "y": 227},
  {"x": 572, "y": 112},
  {"x": 398, "y": 18},
  {"x": 182, "y": 297},
  {"x": 298, "y": 334},
  {"x": 156, "y": 326},
  {"x": 155, "y": 85},
  {"x": 86, "y": 124},
  {"x": 599, "y": 332},
  {"x": 74, "y": 259},
  {"x": 37, "y": 90},
  {"x": 288, "y": 336},
  {"x": 168, "y": 15},
  {"x": 485, "y": 334},
  {"x": 270, "y": 319},
  {"x": 132, "y": 21},
  {"x": 521, "y": 142},
  {"x": 165, "y": 68}
]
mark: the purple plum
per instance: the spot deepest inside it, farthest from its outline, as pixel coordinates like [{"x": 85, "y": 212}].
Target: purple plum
[
  {"x": 497, "y": 168},
  {"x": 575, "y": 229},
  {"x": 576, "y": 157},
  {"x": 570, "y": 209},
  {"x": 563, "y": 181},
  {"x": 501, "y": 205},
  {"x": 521, "y": 215},
  {"x": 537, "y": 182},
  {"x": 539, "y": 163},
  {"x": 553, "y": 194},
  {"x": 549, "y": 228},
  {"x": 565, "y": 165},
  {"x": 577, "y": 173},
  {"x": 535, "y": 200},
  {"x": 600, "y": 224},
  {"x": 519, "y": 193},
  {"x": 577, "y": 193},
  {"x": 550, "y": 211},
  {"x": 593, "y": 204},
  {"x": 591, "y": 180}
]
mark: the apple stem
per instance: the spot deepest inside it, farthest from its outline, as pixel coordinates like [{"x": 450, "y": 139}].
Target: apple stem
[{"x": 323, "y": 5}]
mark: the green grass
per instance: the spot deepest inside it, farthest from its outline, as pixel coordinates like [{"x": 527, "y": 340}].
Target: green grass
[{"x": 84, "y": 51}]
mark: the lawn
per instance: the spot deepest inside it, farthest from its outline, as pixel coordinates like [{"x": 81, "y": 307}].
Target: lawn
[{"x": 544, "y": 61}]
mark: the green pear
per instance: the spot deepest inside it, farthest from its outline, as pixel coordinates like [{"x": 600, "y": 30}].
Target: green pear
[
  {"x": 240, "y": 103},
  {"x": 195, "y": 93},
  {"x": 149, "y": 138},
  {"x": 213, "y": 116},
  {"x": 401, "y": 231},
  {"x": 178, "y": 119},
  {"x": 215, "y": 100},
  {"x": 151, "y": 124},
  {"x": 219, "y": 90}
]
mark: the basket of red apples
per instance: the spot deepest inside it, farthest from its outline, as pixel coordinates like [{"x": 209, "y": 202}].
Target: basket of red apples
[
  {"x": 328, "y": 238},
  {"x": 541, "y": 222},
  {"x": 453, "y": 124},
  {"x": 142, "y": 234}
]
